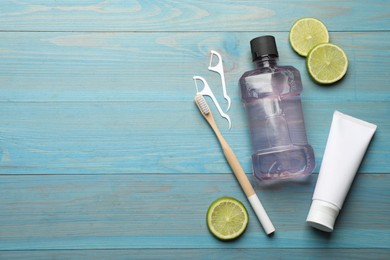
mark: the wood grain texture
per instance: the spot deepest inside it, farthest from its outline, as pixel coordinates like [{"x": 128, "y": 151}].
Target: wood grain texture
[
  {"x": 96, "y": 103},
  {"x": 168, "y": 15},
  {"x": 104, "y": 155},
  {"x": 152, "y": 137},
  {"x": 226, "y": 253},
  {"x": 154, "y": 67},
  {"x": 168, "y": 211}
]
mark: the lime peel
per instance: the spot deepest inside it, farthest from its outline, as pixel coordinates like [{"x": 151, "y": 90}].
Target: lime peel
[
  {"x": 227, "y": 218},
  {"x": 306, "y": 33},
  {"x": 327, "y": 63}
]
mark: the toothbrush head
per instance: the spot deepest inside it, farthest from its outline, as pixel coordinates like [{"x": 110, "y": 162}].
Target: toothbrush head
[{"x": 202, "y": 104}]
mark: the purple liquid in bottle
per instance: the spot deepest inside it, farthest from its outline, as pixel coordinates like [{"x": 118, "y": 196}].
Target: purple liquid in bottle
[{"x": 271, "y": 96}]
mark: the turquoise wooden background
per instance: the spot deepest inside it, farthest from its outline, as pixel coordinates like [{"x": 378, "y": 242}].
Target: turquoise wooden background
[{"x": 103, "y": 154}]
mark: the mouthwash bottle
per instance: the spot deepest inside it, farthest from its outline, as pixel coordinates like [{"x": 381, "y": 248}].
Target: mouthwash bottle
[{"x": 271, "y": 97}]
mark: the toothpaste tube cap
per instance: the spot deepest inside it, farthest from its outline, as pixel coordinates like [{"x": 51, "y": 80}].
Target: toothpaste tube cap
[{"x": 322, "y": 215}]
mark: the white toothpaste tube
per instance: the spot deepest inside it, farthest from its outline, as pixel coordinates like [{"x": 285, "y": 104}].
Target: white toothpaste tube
[{"x": 347, "y": 143}]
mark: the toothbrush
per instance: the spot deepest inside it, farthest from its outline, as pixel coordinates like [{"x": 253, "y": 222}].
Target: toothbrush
[{"x": 236, "y": 167}]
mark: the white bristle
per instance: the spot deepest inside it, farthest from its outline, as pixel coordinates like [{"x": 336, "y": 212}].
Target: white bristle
[{"x": 202, "y": 104}]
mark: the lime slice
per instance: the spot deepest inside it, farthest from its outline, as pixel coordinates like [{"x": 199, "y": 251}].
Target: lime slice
[
  {"x": 227, "y": 218},
  {"x": 327, "y": 63},
  {"x": 307, "y": 33}
]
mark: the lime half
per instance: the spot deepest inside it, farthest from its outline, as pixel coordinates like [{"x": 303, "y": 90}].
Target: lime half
[
  {"x": 307, "y": 33},
  {"x": 327, "y": 63},
  {"x": 227, "y": 218}
]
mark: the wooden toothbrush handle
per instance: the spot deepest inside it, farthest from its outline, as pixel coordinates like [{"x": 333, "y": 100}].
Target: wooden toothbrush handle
[
  {"x": 233, "y": 162},
  {"x": 237, "y": 169},
  {"x": 246, "y": 186},
  {"x": 242, "y": 179}
]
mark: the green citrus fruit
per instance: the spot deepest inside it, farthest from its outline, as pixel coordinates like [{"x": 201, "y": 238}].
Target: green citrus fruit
[
  {"x": 307, "y": 33},
  {"x": 227, "y": 218},
  {"x": 327, "y": 63}
]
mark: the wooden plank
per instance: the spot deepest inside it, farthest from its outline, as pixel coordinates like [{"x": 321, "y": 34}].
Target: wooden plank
[
  {"x": 153, "y": 137},
  {"x": 92, "y": 15},
  {"x": 160, "y": 66},
  {"x": 168, "y": 211},
  {"x": 103, "y": 154},
  {"x": 159, "y": 119},
  {"x": 226, "y": 253}
]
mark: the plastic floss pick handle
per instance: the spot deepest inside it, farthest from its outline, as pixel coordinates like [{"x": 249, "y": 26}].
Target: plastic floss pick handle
[
  {"x": 219, "y": 69},
  {"x": 207, "y": 92}
]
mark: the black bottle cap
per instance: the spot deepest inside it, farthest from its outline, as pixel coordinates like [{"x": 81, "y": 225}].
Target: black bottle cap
[{"x": 263, "y": 46}]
